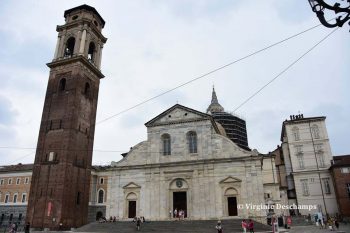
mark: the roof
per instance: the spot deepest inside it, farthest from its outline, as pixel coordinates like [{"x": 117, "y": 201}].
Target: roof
[
  {"x": 16, "y": 168},
  {"x": 204, "y": 115},
  {"x": 341, "y": 161},
  {"x": 88, "y": 8},
  {"x": 298, "y": 121}
]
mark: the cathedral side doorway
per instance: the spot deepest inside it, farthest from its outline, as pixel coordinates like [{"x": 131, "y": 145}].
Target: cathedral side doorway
[
  {"x": 180, "y": 201},
  {"x": 132, "y": 209},
  {"x": 232, "y": 206}
]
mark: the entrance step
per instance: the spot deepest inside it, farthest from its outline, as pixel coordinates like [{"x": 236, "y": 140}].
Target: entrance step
[{"x": 190, "y": 226}]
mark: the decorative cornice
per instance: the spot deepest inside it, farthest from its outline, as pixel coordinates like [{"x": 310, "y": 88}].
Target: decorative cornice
[{"x": 73, "y": 59}]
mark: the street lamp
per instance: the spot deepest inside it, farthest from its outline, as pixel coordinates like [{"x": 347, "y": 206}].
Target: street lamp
[{"x": 319, "y": 6}]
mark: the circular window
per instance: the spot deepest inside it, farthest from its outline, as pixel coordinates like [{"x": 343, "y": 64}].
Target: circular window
[
  {"x": 74, "y": 17},
  {"x": 96, "y": 23}
]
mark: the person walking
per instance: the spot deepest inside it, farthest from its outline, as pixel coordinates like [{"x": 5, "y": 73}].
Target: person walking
[
  {"x": 219, "y": 227},
  {"x": 244, "y": 226},
  {"x": 251, "y": 226},
  {"x": 138, "y": 223},
  {"x": 27, "y": 228}
]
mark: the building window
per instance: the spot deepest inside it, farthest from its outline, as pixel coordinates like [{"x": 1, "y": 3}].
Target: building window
[
  {"x": 51, "y": 156},
  {"x": 296, "y": 134},
  {"x": 327, "y": 187},
  {"x": 320, "y": 157},
  {"x": 78, "y": 198},
  {"x": 7, "y": 197},
  {"x": 305, "y": 187},
  {"x": 2, "y": 182},
  {"x": 24, "y": 198},
  {"x": 18, "y": 181},
  {"x": 192, "y": 142},
  {"x": 62, "y": 84},
  {"x": 348, "y": 189},
  {"x": 15, "y": 198},
  {"x": 318, "y": 147},
  {"x": 315, "y": 132},
  {"x": 26, "y": 181},
  {"x": 101, "y": 194},
  {"x": 166, "y": 140},
  {"x": 345, "y": 170},
  {"x": 87, "y": 90},
  {"x": 9, "y": 181},
  {"x": 101, "y": 180},
  {"x": 299, "y": 149},
  {"x": 300, "y": 158}
]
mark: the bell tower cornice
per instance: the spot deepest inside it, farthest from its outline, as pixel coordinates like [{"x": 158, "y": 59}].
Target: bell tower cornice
[{"x": 77, "y": 58}]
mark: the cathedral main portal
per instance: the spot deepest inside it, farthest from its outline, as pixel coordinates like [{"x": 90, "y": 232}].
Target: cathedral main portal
[{"x": 180, "y": 202}]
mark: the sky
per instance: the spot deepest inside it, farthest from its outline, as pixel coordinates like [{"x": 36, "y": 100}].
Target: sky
[{"x": 154, "y": 46}]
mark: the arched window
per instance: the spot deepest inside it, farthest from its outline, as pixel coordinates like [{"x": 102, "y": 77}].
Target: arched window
[
  {"x": 69, "y": 50},
  {"x": 315, "y": 131},
  {"x": 101, "y": 195},
  {"x": 91, "y": 51},
  {"x": 296, "y": 134},
  {"x": 62, "y": 85},
  {"x": 87, "y": 89},
  {"x": 192, "y": 141},
  {"x": 166, "y": 141}
]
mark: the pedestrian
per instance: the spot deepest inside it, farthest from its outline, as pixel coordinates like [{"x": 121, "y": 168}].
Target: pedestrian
[
  {"x": 251, "y": 226},
  {"x": 175, "y": 213},
  {"x": 244, "y": 226},
  {"x": 170, "y": 214},
  {"x": 336, "y": 223},
  {"x": 219, "y": 227},
  {"x": 27, "y": 228},
  {"x": 138, "y": 224}
]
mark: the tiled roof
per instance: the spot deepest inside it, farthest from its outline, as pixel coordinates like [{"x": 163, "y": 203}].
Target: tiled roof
[{"x": 16, "y": 168}]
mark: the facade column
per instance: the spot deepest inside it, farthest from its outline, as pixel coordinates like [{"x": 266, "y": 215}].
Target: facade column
[
  {"x": 99, "y": 57},
  {"x": 82, "y": 42},
  {"x": 61, "y": 48},
  {"x": 57, "y": 46}
]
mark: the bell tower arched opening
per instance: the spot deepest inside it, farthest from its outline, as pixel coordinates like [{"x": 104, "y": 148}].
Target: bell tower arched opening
[{"x": 69, "y": 51}]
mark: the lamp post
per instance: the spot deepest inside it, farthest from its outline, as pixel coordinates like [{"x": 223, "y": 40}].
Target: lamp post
[{"x": 319, "y": 6}]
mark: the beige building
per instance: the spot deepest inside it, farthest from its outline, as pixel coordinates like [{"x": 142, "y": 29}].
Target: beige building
[
  {"x": 15, "y": 183},
  {"x": 14, "y": 191},
  {"x": 306, "y": 159}
]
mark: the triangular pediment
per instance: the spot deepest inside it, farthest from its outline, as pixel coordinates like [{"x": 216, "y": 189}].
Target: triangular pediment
[
  {"x": 177, "y": 114},
  {"x": 230, "y": 179},
  {"x": 131, "y": 185}
]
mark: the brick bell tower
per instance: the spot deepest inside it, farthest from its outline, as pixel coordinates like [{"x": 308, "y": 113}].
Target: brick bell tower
[{"x": 59, "y": 193}]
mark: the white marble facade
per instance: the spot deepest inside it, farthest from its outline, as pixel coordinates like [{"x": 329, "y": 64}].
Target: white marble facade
[{"x": 205, "y": 180}]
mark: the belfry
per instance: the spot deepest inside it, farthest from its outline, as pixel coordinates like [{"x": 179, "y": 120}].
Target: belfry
[{"x": 59, "y": 193}]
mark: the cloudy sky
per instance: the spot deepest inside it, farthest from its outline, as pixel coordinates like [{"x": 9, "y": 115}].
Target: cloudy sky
[{"x": 155, "y": 45}]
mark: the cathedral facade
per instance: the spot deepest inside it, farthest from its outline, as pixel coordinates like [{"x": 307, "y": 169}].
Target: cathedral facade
[{"x": 188, "y": 163}]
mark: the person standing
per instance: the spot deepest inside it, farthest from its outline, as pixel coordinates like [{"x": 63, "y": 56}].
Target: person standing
[
  {"x": 244, "y": 226},
  {"x": 251, "y": 226},
  {"x": 175, "y": 213},
  {"x": 27, "y": 228},
  {"x": 219, "y": 227}
]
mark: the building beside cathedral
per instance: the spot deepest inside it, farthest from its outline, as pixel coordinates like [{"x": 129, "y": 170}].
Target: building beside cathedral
[{"x": 303, "y": 162}]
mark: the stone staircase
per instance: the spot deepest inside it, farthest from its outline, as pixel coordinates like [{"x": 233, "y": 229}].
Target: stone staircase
[{"x": 190, "y": 226}]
